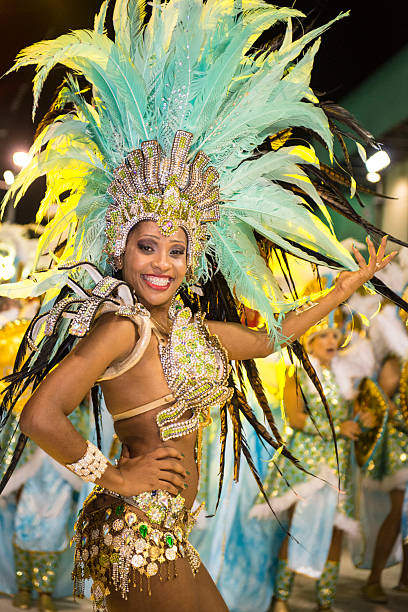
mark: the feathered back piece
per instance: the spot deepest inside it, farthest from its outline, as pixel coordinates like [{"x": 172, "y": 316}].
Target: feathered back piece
[{"x": 192, "y": 67}]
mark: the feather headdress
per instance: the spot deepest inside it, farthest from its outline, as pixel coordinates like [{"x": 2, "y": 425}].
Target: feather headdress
[{"x": 191, "y": 67}]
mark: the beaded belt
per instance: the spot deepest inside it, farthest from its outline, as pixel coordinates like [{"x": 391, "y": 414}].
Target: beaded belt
[{"x": 116, "y": 546}]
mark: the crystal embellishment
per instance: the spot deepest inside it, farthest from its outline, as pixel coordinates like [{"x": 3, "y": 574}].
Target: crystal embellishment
[
  {"x": 196, "y": 369},
  {"x": 167, "y": 190}
]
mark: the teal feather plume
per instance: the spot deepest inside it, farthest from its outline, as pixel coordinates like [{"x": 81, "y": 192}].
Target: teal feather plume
[
  {"x": 246, "y": 273},
  {"x": 100, "y": 18},
  {"x": 128, "y": 18},
  {"x": 192, "y": 66}
]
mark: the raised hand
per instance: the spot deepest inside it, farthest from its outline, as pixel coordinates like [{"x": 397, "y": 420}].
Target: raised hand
[
  {"x": 367, "y": 419},
  {"x": 350, "y": 429},
  {"x": 349, "y": 282}
]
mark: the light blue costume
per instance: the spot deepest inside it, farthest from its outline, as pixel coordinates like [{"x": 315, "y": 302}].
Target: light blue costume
[
  {"x": 319, "y": 507},
  {"x": 39, "y": 506},
  {"x": 35, "y": 530}
]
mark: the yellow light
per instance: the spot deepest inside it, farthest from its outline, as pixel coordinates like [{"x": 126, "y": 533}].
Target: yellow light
[
  {"x": 403, "y": 457},
  {"x": 373, "y": 177},
  {"x": 21, "y": 159},
  {"x": 8, "y": 177}
]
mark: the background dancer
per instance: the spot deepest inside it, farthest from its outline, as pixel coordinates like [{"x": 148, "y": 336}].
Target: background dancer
[
  {"x": 386, "y": 475},
  {"x": 320, "y": 517},
  {"x": 39, "y": 503}
]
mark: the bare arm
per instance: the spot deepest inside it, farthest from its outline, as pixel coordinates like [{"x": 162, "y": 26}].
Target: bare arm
[
  {"x": 389, "y": 376},
  {"x": 294, "y": 404},
  {"x": 243, "y": 343},
  {"x": 44, "y": 418}
]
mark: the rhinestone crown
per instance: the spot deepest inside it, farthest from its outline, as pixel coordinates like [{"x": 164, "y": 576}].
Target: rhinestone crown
[{"x": 166, "y": 190}]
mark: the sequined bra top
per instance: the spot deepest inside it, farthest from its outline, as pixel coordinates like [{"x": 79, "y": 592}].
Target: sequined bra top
[
  {"x": 196, "y": 369},
  {"x": 194, "y": 363}
]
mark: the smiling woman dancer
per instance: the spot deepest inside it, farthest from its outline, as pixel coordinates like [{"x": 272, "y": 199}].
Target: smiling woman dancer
[{"x": 145, "y": 206}]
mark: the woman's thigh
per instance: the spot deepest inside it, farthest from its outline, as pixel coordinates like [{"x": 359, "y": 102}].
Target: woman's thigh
[
  {"x": 208, "y": 595},
  {"x": 183, "y": 593}
]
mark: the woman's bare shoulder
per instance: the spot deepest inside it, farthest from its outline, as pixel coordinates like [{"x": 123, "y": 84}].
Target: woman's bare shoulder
[{"x": 114, "y": 335}]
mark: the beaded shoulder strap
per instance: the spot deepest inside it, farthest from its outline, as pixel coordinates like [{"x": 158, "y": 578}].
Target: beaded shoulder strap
[{"x": 84, "y": 307}]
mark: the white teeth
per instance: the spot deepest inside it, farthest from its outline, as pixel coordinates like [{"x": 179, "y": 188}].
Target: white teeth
[{"x": 157, "y": 280}]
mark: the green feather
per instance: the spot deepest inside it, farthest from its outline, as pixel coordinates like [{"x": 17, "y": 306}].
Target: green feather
[{"x": 192, "y": 66}]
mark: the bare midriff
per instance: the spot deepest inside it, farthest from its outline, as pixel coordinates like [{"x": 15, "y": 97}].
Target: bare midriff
[
  {"x": 138, "y": 386},
  {"x": 141, "y": 435}
]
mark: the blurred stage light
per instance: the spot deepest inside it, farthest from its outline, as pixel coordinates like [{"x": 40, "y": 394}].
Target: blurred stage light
[
  {"x": 7, "y": 269},
  {"x": 8, "y": 177},
  {"x": 378, "y": 161},
  {"x": 21, "y": 159},
  {"x": 373, "y": 177}
]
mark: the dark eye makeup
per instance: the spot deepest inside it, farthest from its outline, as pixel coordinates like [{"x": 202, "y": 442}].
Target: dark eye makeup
[
  {"x": 145, "y": 246},
  {"x": 149, "y": 245},
  {"x": 178, "y": 251}
]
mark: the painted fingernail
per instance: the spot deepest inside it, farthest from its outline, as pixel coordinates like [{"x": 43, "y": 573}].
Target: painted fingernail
[
  {"x": 188, "y": 473},
  {"x": 182, "y": 454},
  {"x": 185, "y": 485}
]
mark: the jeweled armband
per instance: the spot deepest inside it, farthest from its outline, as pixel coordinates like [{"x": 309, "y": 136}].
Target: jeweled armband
[
  {"x": 304, "y": 307},
  {"x": 91, "y": 465}
]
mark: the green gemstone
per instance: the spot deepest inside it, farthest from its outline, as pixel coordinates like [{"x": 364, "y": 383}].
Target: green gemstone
[
  {"x": 119, "y": 510},
  {"x": 169, "y": 541},
  {"x": 143, "y": 530}
]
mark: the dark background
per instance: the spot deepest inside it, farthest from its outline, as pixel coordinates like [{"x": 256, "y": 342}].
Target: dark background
[{"x": 351, "y": 50}]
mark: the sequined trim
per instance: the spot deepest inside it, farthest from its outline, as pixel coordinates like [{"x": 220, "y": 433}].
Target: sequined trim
[
  {"x": 91, "y": 465},
  {"x": 403, "y": 390},
  {"x": 117, "y": 547},
  {"x": 82, "y": 309},
  {"x": 196, "y": 369},
  {"x": 168, "y": 191}
]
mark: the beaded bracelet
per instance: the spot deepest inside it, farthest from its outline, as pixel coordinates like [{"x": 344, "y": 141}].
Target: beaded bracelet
[
  {"x": 91, "y": 465},
  {"x": 306, "y": 306}
]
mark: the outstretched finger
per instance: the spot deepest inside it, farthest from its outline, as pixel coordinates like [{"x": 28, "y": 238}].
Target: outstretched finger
[
  {"x": 371, "y": 250},
  {"x": 381, "y": 248},
  {"x": 359, "y": 258},
  {"x": 386, "y": 260}
]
